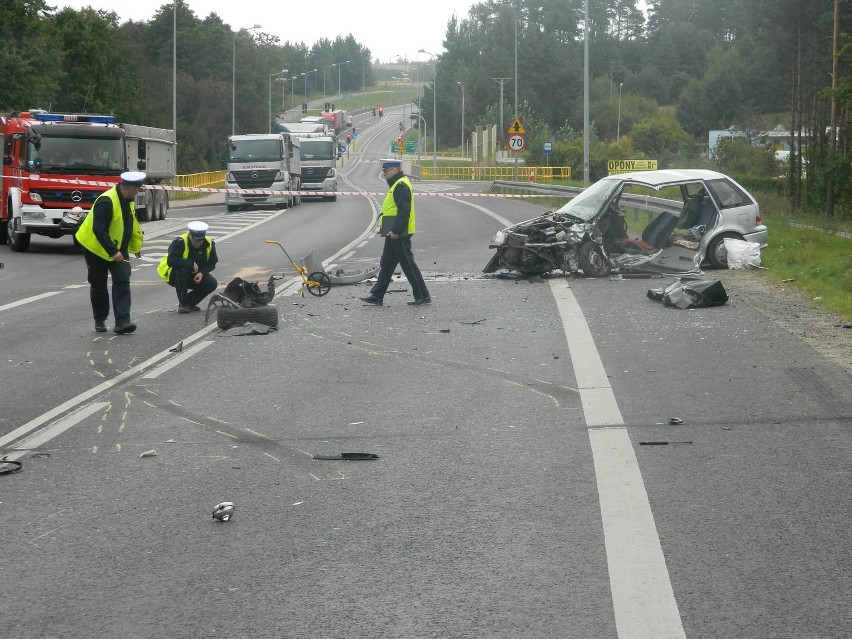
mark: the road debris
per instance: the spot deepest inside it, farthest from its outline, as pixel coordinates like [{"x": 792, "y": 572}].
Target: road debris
[
  {"x": 348, "y": 457},
  {"x": 224, "y": 511},
  {"x": 696, "y": 294}
]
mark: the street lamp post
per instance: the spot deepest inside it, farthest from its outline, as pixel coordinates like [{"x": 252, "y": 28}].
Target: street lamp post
[
  {"x": 293, "y": 91},
  {"x": 462, "y": 132},
  {"x": 364, "y": 83},
  {"x": 174, "y": 69},
  {"x": 270, "y": 96},
  {"x": 306, "y": 84},
  {"x": 434, "y": 102},
  {"x": 234, "y": 82},
  {"x": 330, "y": 66},
  {"x": 340, "y": 64},
  {"x": 618, "y": 128}
]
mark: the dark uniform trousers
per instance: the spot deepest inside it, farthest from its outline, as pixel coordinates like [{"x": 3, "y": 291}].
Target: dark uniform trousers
[
  {"x": 188, "y": 292},
  {"x": 98, "y": 271},
  {"x": 398, "y": 252}
]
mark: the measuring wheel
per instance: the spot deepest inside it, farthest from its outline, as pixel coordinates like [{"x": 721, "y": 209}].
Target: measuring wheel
[{"x": 318, "y": 283}]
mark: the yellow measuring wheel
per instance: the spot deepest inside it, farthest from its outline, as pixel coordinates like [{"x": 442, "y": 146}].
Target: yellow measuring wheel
[{"x": 318, "y": 283}]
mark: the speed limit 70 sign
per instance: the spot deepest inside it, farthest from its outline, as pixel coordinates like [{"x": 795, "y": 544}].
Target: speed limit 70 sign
[{"x": 516, "y": 142}]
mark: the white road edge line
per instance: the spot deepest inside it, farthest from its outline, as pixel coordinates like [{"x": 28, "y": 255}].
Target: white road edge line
[{"x": 642, "y": 597}]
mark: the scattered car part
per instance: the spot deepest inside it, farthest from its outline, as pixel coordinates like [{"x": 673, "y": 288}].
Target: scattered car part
[
  {"x": 660, "y": 443},
  {"x": 224, "y": 511},
  {"x": 697, "y": 294},
  {"x": 242, "y": 302},
  {"x": 232, "y": 316},
  {"x": 339, "y": 277},
  {"x": 9, "y": 466},
  {"x": 348, "y": 457}
]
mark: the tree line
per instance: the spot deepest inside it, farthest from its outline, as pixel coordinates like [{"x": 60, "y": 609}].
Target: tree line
[{"x": 660, "y": 79}]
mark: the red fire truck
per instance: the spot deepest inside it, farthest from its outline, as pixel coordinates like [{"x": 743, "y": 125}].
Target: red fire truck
[{"x": 56, "y": 164}]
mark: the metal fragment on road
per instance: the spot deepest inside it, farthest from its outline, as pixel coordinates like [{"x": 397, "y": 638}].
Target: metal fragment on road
[{"x": 224, "y": 511}]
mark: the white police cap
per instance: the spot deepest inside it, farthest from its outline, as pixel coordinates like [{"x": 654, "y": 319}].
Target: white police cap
[
  {"x": 197, "y": 229},
  {"x": 389, "y": 163},
  {"x": 134, "y": 178}
]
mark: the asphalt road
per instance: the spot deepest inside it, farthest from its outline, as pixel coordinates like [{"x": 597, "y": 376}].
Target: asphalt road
[{"x": 510, "y": 497}]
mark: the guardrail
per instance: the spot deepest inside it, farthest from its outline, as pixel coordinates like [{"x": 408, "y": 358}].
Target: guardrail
[
  {"x": 634, "y": 204},
  {"x": 211, "y": 179},
  {"x": 531, "y": 174}
]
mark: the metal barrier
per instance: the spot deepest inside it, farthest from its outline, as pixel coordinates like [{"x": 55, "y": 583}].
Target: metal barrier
[
  {"x": 211, "y": 179},
  {"x": 491, "y": 173}
]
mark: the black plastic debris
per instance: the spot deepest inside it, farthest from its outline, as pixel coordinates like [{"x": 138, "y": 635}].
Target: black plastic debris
[
  {"x": 675, "y": 420},
  {"x": 9, "y": 466},
  {"x": 660, "y": 442},
  {"x": 249, "y": 328},
  {"x": 697, "y": 294},
  {"x": 348, "y": 456}
]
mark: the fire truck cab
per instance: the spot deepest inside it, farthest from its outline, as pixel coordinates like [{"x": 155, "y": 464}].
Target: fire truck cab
[{"x": 54, "y": 167}]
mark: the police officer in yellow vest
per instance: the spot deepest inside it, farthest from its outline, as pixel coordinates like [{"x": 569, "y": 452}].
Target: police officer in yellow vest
[
  {"x": 108, "y": 235},
  {"x": 187, "y": 267},
  {"x": 397, "y": 224}
]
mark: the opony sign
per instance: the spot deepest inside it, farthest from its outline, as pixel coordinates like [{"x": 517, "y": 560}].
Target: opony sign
[{"x": 626, "y": 166}]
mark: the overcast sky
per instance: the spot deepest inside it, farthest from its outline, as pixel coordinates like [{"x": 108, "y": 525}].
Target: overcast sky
[{"x": 389, "y": 29}]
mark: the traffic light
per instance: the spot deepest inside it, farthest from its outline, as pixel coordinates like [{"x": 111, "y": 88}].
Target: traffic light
[
  {"x": 332, "y": 106},
  {"x": 304, "y": 107},
  {"x": 325, "y": 108}
]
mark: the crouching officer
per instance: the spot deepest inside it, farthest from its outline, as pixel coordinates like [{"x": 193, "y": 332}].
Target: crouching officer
[{"x": 187, "y": 267}]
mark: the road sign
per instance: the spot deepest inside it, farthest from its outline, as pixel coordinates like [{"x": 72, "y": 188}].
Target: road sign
[
  {"x": 548, "y": 147},
  {"x": 516, "y": 142},
  {"x": 628, "y": 166},
  {"x": 516, "y": 128},
  {"x": 410, "y": 146}
]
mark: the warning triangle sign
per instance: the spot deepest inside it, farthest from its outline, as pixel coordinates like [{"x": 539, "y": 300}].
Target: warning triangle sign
[{"x": 516, "y": 127}]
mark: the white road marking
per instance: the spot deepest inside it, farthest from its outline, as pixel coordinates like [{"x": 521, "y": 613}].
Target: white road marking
[
  {"x": 27, "y": 300},
  {"x": 37, "y": 439},
  {"x": 176, "y": 360},
  {"x": 642, "y": 597}
]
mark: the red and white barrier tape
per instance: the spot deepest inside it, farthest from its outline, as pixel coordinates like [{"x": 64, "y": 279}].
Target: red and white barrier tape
[{"x": 202, "y": 189}]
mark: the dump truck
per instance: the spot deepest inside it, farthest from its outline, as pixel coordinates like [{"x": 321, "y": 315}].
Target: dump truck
[{"x": 259, "y": 163}]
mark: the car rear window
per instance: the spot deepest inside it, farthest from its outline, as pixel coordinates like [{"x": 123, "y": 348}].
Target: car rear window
[{"x": 727, "y": 194}]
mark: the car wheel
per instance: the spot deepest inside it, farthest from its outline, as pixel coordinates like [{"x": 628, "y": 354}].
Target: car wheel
[
  {"x": 4, "y": 226},
  {"x": 592, "y": 260},
  {"x": 227, "y": 317},
  {"x": 716, "y": 253},
  {"x": 18, "y": 242},
  {"x": 231, "y": 209}
]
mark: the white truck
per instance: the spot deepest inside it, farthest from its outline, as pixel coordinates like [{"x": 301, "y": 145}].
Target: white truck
[
  {"x": 263, "y": 161},
  {"x": 319, "y": 153},
  {"x": 153, "y": 151}
]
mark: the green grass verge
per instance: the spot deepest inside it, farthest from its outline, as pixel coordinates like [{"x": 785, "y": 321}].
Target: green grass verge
[{"x": 820, "y": 264}]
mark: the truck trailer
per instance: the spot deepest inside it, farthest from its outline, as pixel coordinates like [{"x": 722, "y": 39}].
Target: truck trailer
[
  {"x": 263, "y": 161},
  {"x": 55, "y": 165}
]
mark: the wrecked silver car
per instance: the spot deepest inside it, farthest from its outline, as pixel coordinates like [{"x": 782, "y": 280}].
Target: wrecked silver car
[{"x": 668, "y": 221}]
